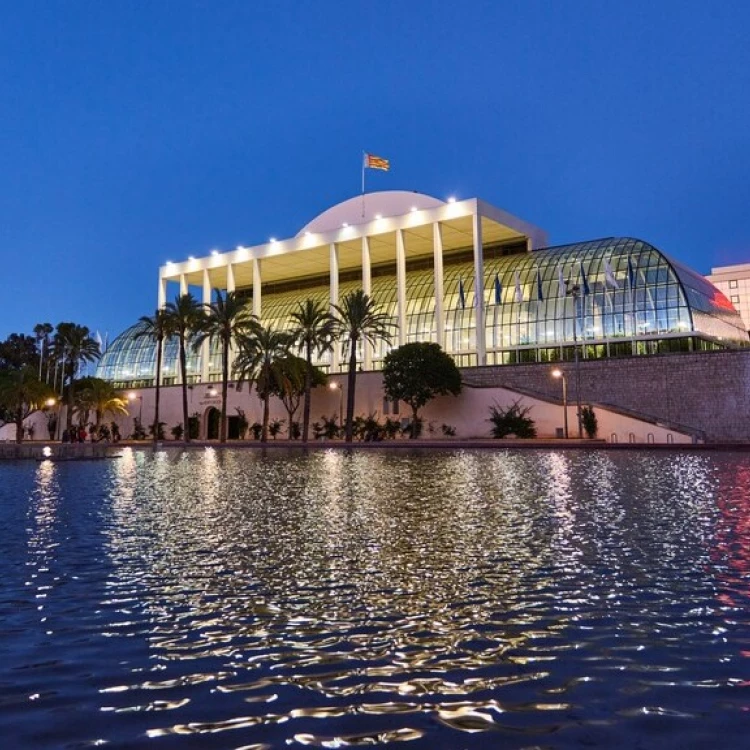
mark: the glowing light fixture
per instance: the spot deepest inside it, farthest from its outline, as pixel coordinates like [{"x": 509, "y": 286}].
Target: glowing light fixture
[
  {"x": 214, "y": 252},
  {"x": 413, "y": 209},
  {"x": 378, "y": 216},
  {"x": 452, "y": 199},
  {"x": 345, "y": 225}
]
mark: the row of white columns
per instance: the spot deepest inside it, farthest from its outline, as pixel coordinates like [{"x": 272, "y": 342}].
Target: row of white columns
[{"x": 437, "y": 248}]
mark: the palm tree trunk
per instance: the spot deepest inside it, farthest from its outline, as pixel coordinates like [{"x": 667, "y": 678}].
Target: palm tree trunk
[
  {"x": 183, "y": 367},
  {"x": 159, "y": 354},
  {"x": 19, "y": 424},
  {"x": 350, "y": 386},
  {"x": 69, "y": 399},
  {"x": 308, "y": 394},
  {"x": 266, "y": 414},
  {"x": 224, "y": 387},
  {"x": 413, "y": 435}
]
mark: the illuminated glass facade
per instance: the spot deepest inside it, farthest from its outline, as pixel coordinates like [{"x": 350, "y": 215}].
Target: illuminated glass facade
[{"x": 632, "y": 301}]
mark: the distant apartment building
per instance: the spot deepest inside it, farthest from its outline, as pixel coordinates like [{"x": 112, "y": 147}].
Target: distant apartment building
[{"x": 734, "y": 281}]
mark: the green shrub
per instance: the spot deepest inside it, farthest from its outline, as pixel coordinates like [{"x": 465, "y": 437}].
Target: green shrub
[
  {"x": 589, "y": 421},
  {"x": 512, "y": 421}
]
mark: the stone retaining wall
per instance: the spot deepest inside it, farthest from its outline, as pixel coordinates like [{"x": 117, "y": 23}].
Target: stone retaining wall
[{"x": 706, "y": 391}]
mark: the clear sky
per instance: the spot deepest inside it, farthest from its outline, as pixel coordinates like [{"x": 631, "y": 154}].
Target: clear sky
[{"x": 132, "y": 133}]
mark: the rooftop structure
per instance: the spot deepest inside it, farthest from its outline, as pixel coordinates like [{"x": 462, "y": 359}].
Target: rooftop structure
[
  {"x": 471, "y": 277},
  {"x": 734, "y": 282}
]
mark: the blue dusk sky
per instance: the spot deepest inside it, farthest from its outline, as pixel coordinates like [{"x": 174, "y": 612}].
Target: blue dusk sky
[{"x": 132, "y": 133}]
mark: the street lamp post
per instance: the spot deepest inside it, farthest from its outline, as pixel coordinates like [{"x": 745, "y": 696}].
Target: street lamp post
[
  {"x": 334, "y": 386},
  {"x": 133, "y": 397},
  {"x": 560, "y": 374},
  {"x": 574, "y": 291}
]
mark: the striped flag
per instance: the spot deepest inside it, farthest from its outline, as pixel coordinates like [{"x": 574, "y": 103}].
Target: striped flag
[
  {"x": 631, "y": 274},
  {"x": 498, "y": 290},
  {"x": 461, "y": 294},
  {"x": 584, "y": 282},
  {"x": 539, "y": 291},
  {"x": 519, "y": 291},
  {"x": 376, "y": 162},
  {"x": 609, "y": 275}
]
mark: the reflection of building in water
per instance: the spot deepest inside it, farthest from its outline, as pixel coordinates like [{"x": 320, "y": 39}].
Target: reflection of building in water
[{"x": 732, "y": 551}]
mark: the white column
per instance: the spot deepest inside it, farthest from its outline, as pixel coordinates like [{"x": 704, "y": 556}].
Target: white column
[
  {"x": 256, "y": 288},
  {"x": 333, "y": 277},
  {"x": 437, "y": 252},
  {"x": 479, "y": 289},
  {"x": 183, "y": 284},
  {"x": 206, "y": 345},
  {"x": 231, "y": 287},
  {"x": 367, "y": 289},
  {"x": 401, "y": 286},
  {"x": 161, "y": 299}
]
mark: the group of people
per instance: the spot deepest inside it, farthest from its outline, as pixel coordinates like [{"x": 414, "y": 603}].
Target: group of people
[{"x": 79, "y": 434}]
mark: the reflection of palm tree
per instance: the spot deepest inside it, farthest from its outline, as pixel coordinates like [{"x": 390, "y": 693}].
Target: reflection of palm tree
[
  {"x": 75, "y": 346},
  {"x": 313, "y": 332},
  {"x": 259, "y": 350},
  {"x": 226, "y": 319},
  {"x": 21, "y": 394},
  {"x": 100, "y": 396},
  {"x": 184, "y": 317},
  {"x": 156, "y": 327},
  {"x": 357, "y": 319}
]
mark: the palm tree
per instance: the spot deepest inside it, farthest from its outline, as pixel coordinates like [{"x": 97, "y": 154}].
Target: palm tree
[
  {"x": 156, "y": 327},
  {"x": 21, "y": 394},
  {"x": 313, "y": 331},
  {"x": 185, "y": 317},
  {"x": 75, "y": 346},
  {"x": 259, "y": 350},
  {"x": 226, "y": 319},
  {"x": 357, "y": 319},
  {"x": 43, "y": 331},
  {"x": 100, "y": 396}
]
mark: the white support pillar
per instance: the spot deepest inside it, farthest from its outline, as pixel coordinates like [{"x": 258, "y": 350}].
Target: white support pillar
[
  {"x": 367, "y": 289},
  {"x": 161, "y": 299},
  {"x": 437, "y": 252},
  {"x": 231, "y": 287},
  {"x": 479, "y": 289},
  {"x": 401, "y": 286},
  {"x": 183, "y": 284},
  {"x": 333, "y": 278},
  {"x": 257, "y": 291},
  {"x": 206, "y": 345}
]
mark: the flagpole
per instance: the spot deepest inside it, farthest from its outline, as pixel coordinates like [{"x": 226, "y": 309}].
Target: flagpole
[{"x": 364, "y": 157}]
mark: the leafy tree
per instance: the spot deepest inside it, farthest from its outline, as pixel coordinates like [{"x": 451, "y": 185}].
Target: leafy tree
[
  {"x": 157, "y": 328},
  {"x": 22, "y": 394},
  {"x": 256, "y": 361},
  {"x": 358, "y": 320},
  {"x": 290, "y": 378},
  {"x": 313, "y": 330},
  {"x": 418, "y": 372},
  {"x": 514, "y": 420},
  {"x": 18, "y": 351},
  {"x": 74, "y": 346},
  {"x": 99, "y": 396},
  {"x": 589, "y": 421},
  {"x": 185, "y": 318},
  {"x": 226, "y": 319}
]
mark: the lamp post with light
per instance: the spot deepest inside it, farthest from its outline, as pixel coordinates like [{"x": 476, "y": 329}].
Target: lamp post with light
[
  {"x": 334, "y": 386},
  {"x": 557, "y": 373},
  {"x": 133, "y": 397},
  {"x": 574, "y": 291}
]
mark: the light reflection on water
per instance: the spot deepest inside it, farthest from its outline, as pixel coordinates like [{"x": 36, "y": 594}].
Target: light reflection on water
[{"x": 227, "y": 598}]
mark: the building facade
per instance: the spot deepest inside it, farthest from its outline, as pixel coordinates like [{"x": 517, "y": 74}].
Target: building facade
[
  {"x": 734, "y": 282},
  {"x": 471, "y": 277}
]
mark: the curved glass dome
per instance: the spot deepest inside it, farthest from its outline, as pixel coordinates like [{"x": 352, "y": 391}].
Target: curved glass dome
[{"x": 633, "y": 300}]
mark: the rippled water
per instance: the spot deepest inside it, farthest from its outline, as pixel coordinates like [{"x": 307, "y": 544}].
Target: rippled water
[{"x": 466, "y": 599}]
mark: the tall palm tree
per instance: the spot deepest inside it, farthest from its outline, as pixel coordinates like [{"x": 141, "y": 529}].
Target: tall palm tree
[
  {"x": 226, "y": 319},
  {"x": 259, "y": 351},
  {"x": 75, "y": 346},
  {"x": 358, "y": 319},
  {"x": 156, "y": 327},
  {"x": 43, "y": 331},
  {"x": 313, "y": 331},
  {"x": 185, "y": 318}
]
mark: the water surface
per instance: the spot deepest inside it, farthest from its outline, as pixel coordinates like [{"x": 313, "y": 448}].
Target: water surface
[{"x": 458, "y": 599}]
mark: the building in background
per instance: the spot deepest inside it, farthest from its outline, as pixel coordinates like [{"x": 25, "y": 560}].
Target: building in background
[{"x": 734, "y": 282}]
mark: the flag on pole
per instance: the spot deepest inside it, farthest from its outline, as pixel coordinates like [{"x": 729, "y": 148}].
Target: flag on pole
[
  {"x": 631, "y": 274},
  {"x": 498, "y": 290},
  {"x": 99, "y": 341},
  {"x": 376, "y": 162},
  {"x": 585, "y": 288},
  {"x": 539, "y": 291},
  {"x": 562, "y": 287},
  {"x": 609, "y": 275},
  {"x": 461, "y": 294},
  {"x": 519, "y": 291}
]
